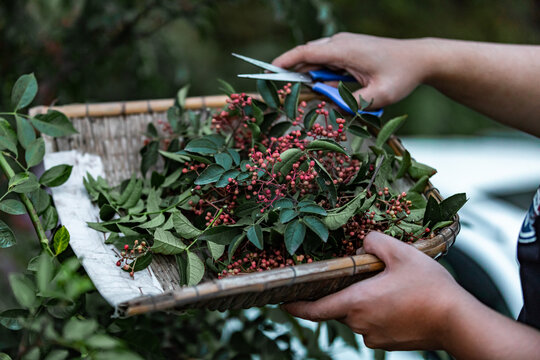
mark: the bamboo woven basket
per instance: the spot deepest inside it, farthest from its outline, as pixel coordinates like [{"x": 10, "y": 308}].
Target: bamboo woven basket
[{"x": 114, "y": 131}]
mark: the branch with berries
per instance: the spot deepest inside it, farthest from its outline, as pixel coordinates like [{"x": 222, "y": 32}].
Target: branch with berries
[{"x": 266, "y": 184}]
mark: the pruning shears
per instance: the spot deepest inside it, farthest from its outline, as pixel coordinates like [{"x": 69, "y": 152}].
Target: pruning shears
[{"x": 314, "y": 79}]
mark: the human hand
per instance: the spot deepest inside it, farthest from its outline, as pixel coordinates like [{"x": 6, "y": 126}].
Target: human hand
[
  {"x": 388, "y": 69},
  {"x": 405, "y": 307}
]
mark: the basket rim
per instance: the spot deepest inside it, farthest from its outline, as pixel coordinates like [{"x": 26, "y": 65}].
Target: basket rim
[
  {"x": 114, "y": 108},
  {"x": 282, "y": 277}
]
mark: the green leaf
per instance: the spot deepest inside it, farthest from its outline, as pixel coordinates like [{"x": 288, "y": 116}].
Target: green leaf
[
  {"x": 388, "y": 129},
  {"x": 133, "y": 196},
  {"x": 216, "y": 250},
  {"x": 44, "y": 274},
  {"x": 224, "y": 179},
  {"x": 77, "y": 330},
  {"x": 194, "y": 157},
  {"x": 335, "y": 219},
  {"x": 226, "y": 87},
  {"x": 56, "y": 176},
  {"x": 294, "y": 236},
  {"x": 255, "y": 235},
  {"x": 41, "y": 200},
  {"x": 287, "y": 215},
  {"x": 50, "y": 218},
  {"x": 360, "y": 131},
  {"x": 8, "y": 136},
  {"x": 155, "y": 222},
  {"x": 11, "y": 319},
  {"x": 25, "y": 131},
  {"x": 35, "y": 152},
  {"x": 310, "y": 118},
  {"x": 153, "y": 201},
  {"x": 7, "y": 238},
  {"x": 255, "y": 130},
  {"x": 291, "y": 102},
  {"x": 142, "y": 262},
  {"x": 6, "y": 143},
  {"x": 166, "y": 243},
  {"x": 57, "y": 355},
  {"x": 327, "y": 145},
  {"x": 441, "y": 224},
  {"x": 181, "y": 96},
  {"x": 24, "y": 91},
  {"x": 24, "y": 290},
  {"x": 235, "y": 156},
  {"x": 54, "y": 123},
  {"x": 224, "y": 160},
  {"x": 258, "y": 115},
  {"x": 450, "y": 206},
  {"x": 184, "y": 227},
  {"x": 364, "y": 104},
  {"x": 202, "y": 146},
  {"x": 418, "y": 170},
  {"x": 106, "y": 212},
  {"x": 61, "y": 240},
  {"x": 325, "y": 181},
  {"x": 23, "y": 183},
  {"x": 211, "y": 174},
  {"x": 420, "y": 185},
  {"x": 222, "y": 234},
  {"x": 235, "y": 243},
  {"x": 348, "y": 97},
  {"x": 4, "y": 356},
  {"x": 195, "y": 269},
  {"x": 433, "y": 212},
  {"x": 283, "y": 204},
  {"x": 149, "y": 155},
  {"x": 288, "y": 158},
  {"x": 268, "y": 91},
  {"x": 317, "y": 226},
  {"x": 313, "y": 209},
  {"x": 279, "y": 129},
  {"x": 246, "y": 209},
  {"x": 174, "y": 156},
  {"x": 405, "y": 165},
  {"x": 13, "y": 207}
]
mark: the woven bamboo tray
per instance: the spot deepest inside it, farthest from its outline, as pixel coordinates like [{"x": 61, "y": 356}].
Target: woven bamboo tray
[{"x": 114, "y": 132}]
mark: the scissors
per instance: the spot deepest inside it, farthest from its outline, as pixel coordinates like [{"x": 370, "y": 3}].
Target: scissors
[{"x": 314, "y": 79}]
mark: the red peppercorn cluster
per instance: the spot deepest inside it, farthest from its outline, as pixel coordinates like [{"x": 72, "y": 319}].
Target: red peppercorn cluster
[
  {"x": 261, "y": 261},
  {"x": 192, "y": 167},
  {"x": 284, "y": 91},
  {"x": 129, "y": 256}
]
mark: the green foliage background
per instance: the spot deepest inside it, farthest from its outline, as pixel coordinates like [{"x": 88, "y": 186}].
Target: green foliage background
[{"x": 87, "y": 51}]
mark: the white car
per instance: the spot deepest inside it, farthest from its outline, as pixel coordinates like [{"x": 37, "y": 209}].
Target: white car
[{"x": 500, "y": 175}]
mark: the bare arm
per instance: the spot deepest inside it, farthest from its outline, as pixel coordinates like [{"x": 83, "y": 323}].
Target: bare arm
[
  {"x": 498, "y": 80},
  {"x": 403, "y": 308}
]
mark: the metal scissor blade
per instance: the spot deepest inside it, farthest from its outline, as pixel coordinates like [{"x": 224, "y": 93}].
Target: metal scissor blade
[
  {"x": 262, "y": 64},
  {"x": 291, "y": 76}
]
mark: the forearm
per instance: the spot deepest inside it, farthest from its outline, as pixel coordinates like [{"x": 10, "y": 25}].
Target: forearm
[
  {"x": 477, "y": 332},
  {"x": 498, "y": 80}
]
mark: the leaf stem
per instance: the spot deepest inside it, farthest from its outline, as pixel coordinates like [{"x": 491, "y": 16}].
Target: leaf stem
[
  {"x": 6, "y": 168},
  {"x": 208, "y": 227}
]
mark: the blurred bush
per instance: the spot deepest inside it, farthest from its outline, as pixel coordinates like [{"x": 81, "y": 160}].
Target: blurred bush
[{"x": 87, "y": 51}]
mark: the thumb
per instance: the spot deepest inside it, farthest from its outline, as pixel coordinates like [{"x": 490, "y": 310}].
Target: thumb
[
  {"x": 390, "y": 250},
  {"x": 374, "y": 93}
]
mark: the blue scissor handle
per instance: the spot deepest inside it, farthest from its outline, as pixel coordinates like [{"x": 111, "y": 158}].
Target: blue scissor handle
[
  {"x": 333, "y": 94},
  {"x": 329, "y": 75}
]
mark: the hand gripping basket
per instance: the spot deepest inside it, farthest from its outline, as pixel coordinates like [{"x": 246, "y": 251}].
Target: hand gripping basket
[{"x": 110, "y": 136}]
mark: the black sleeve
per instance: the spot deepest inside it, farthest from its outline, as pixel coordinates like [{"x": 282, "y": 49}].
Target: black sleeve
[{"x": 529, "y": 259}]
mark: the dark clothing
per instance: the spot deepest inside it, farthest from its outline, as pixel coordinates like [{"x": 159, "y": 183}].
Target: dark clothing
[{"x": 529, "y": 260}]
